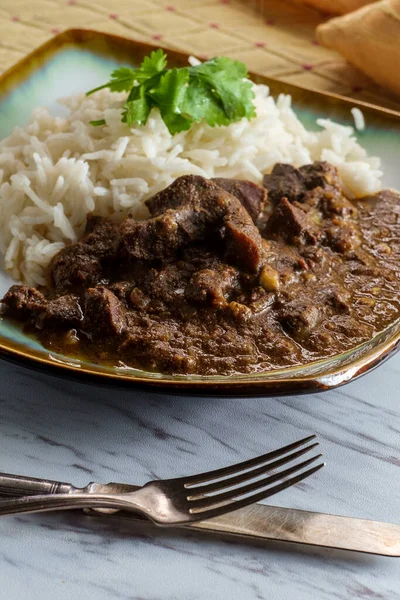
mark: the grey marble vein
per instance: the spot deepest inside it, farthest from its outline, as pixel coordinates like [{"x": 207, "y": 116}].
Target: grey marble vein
[{"x": 74, "y": 432}]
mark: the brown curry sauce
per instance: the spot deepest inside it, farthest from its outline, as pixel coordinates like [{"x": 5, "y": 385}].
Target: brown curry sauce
[{"x": 225, "y": 277}]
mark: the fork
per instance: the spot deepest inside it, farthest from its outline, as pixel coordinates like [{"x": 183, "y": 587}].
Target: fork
[{"x": 171, "y": 501}]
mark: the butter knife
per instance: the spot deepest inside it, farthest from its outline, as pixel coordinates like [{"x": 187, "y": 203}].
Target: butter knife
[{"x": 258, "y": 521}]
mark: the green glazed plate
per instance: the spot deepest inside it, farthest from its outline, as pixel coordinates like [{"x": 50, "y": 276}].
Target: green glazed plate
[{"x": 78, "y": 60}]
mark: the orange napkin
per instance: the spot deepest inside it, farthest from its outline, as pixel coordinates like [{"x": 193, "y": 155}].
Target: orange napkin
[{"x": 369, "y": 39}]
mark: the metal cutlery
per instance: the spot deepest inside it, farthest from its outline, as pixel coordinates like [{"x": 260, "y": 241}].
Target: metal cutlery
[
  {"x": 173, "y": 501},
  {"x": 258, "y": 521}
]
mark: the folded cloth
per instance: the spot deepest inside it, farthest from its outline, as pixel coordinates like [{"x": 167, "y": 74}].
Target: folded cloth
[
  {"x": 336, "y": 7},
  {"x": 369, "y": 39}
]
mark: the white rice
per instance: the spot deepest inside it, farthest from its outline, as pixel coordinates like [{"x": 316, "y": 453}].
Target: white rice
[
  {"x": 359, "y": 120},
  {"x": 55, "y": 171}
]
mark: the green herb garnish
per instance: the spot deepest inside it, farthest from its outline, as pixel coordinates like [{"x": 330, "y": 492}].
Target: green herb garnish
[{"x": 216, "y": 91}]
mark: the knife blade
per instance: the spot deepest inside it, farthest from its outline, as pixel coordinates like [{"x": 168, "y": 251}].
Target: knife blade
[
  {"x": 304, "y": 527},
  {"x": 265, "y": 522}
]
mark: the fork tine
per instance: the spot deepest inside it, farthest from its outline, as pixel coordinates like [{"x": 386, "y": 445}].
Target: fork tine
[
  {"x": 247, "y": 464},
  {"x": 226, "y": 507},
  {"x": 247, "y": 475},
  {"x": 252, "y": 487}
]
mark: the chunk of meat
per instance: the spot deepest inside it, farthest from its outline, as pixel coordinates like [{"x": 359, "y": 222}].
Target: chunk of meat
[
  {"x": 101, "y": 238},
  {"x": 187, "y": 211},
  {"x": 291, "y": 183},
  {"x": 74, "y": 266},
  {"x": 299, "y": 319},
  {"x": 251, "y": 196},
  {"x": 340, "y": 299},
  {"x": 181, "y": 214},
  {"x": 191, "y": 191},
  {"x": 80, "y": 264},
  {"x": 291, "y": 223},
  {"x": 285, "y": 181},
  {"x": 63, "y": 310},
  {"x": 24, "y": 301},
  {"x": 166, "y": 283},
  {"x": 138, "y": 299},
  {"x": 103, "y": 313},
  {"x": 320, "y": 174},
  {"x": 162, "y": 236},
  {"x": 243, "y": 242},
  {"x": 336, "y": 204},
  {"x": 121, "y": 289},
  {"x": 343, "y": 239},
  {"x": 212, "y": 286}
]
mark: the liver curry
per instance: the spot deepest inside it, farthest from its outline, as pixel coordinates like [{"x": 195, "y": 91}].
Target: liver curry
[{"x": 225, "y": 277}]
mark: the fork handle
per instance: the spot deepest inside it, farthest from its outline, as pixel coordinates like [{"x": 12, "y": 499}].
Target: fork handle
[
  {"x": 16, "y": 486},
  {"x": 47, "y": 503}
]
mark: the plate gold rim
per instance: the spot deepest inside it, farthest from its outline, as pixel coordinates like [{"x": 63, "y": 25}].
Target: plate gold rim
[{"x": 331, "y": 378}]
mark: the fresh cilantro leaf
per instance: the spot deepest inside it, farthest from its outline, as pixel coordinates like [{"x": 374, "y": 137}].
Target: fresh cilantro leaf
[
  {"x": 226, "y": 80},
  {"x": 137, "y": 108},
  {"x": 200, "y": 104},
  {"x": 122, "y": 80},
  {"x": 169, "y": 97},
  {"x": 152, "y": 65},
  {"x": 216, "y": 91}
]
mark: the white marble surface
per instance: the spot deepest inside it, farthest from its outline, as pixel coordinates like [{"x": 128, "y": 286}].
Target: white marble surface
[{"x": 62, "y": 430}]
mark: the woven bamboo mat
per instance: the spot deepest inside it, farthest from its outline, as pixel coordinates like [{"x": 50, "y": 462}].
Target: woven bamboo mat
[{"x": 273, "y": 37}]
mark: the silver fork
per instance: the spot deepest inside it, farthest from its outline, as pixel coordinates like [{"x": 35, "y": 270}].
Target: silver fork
[{"x": 170, "y": 501}]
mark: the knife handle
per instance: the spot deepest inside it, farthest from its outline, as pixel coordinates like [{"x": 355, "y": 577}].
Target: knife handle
[{"x": 16, "y": 485}]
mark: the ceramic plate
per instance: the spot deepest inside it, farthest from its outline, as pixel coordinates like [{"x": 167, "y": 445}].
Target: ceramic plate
[{"x": 78, "y": 60}]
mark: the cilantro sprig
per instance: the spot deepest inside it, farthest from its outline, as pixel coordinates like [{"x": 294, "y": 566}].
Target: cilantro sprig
[{"x": 216, "y": 91}]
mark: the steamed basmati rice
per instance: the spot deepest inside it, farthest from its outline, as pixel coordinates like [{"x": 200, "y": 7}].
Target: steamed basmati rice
[
  {"x": 56, "y": 171},
  {"x": 358, "y": 117}
]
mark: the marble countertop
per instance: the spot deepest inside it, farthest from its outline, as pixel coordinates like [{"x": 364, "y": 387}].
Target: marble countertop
[{"x": 74, "y": 432}]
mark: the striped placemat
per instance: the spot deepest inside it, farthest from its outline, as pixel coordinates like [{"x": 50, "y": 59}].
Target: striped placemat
[{"x": 273, "y": 37}]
